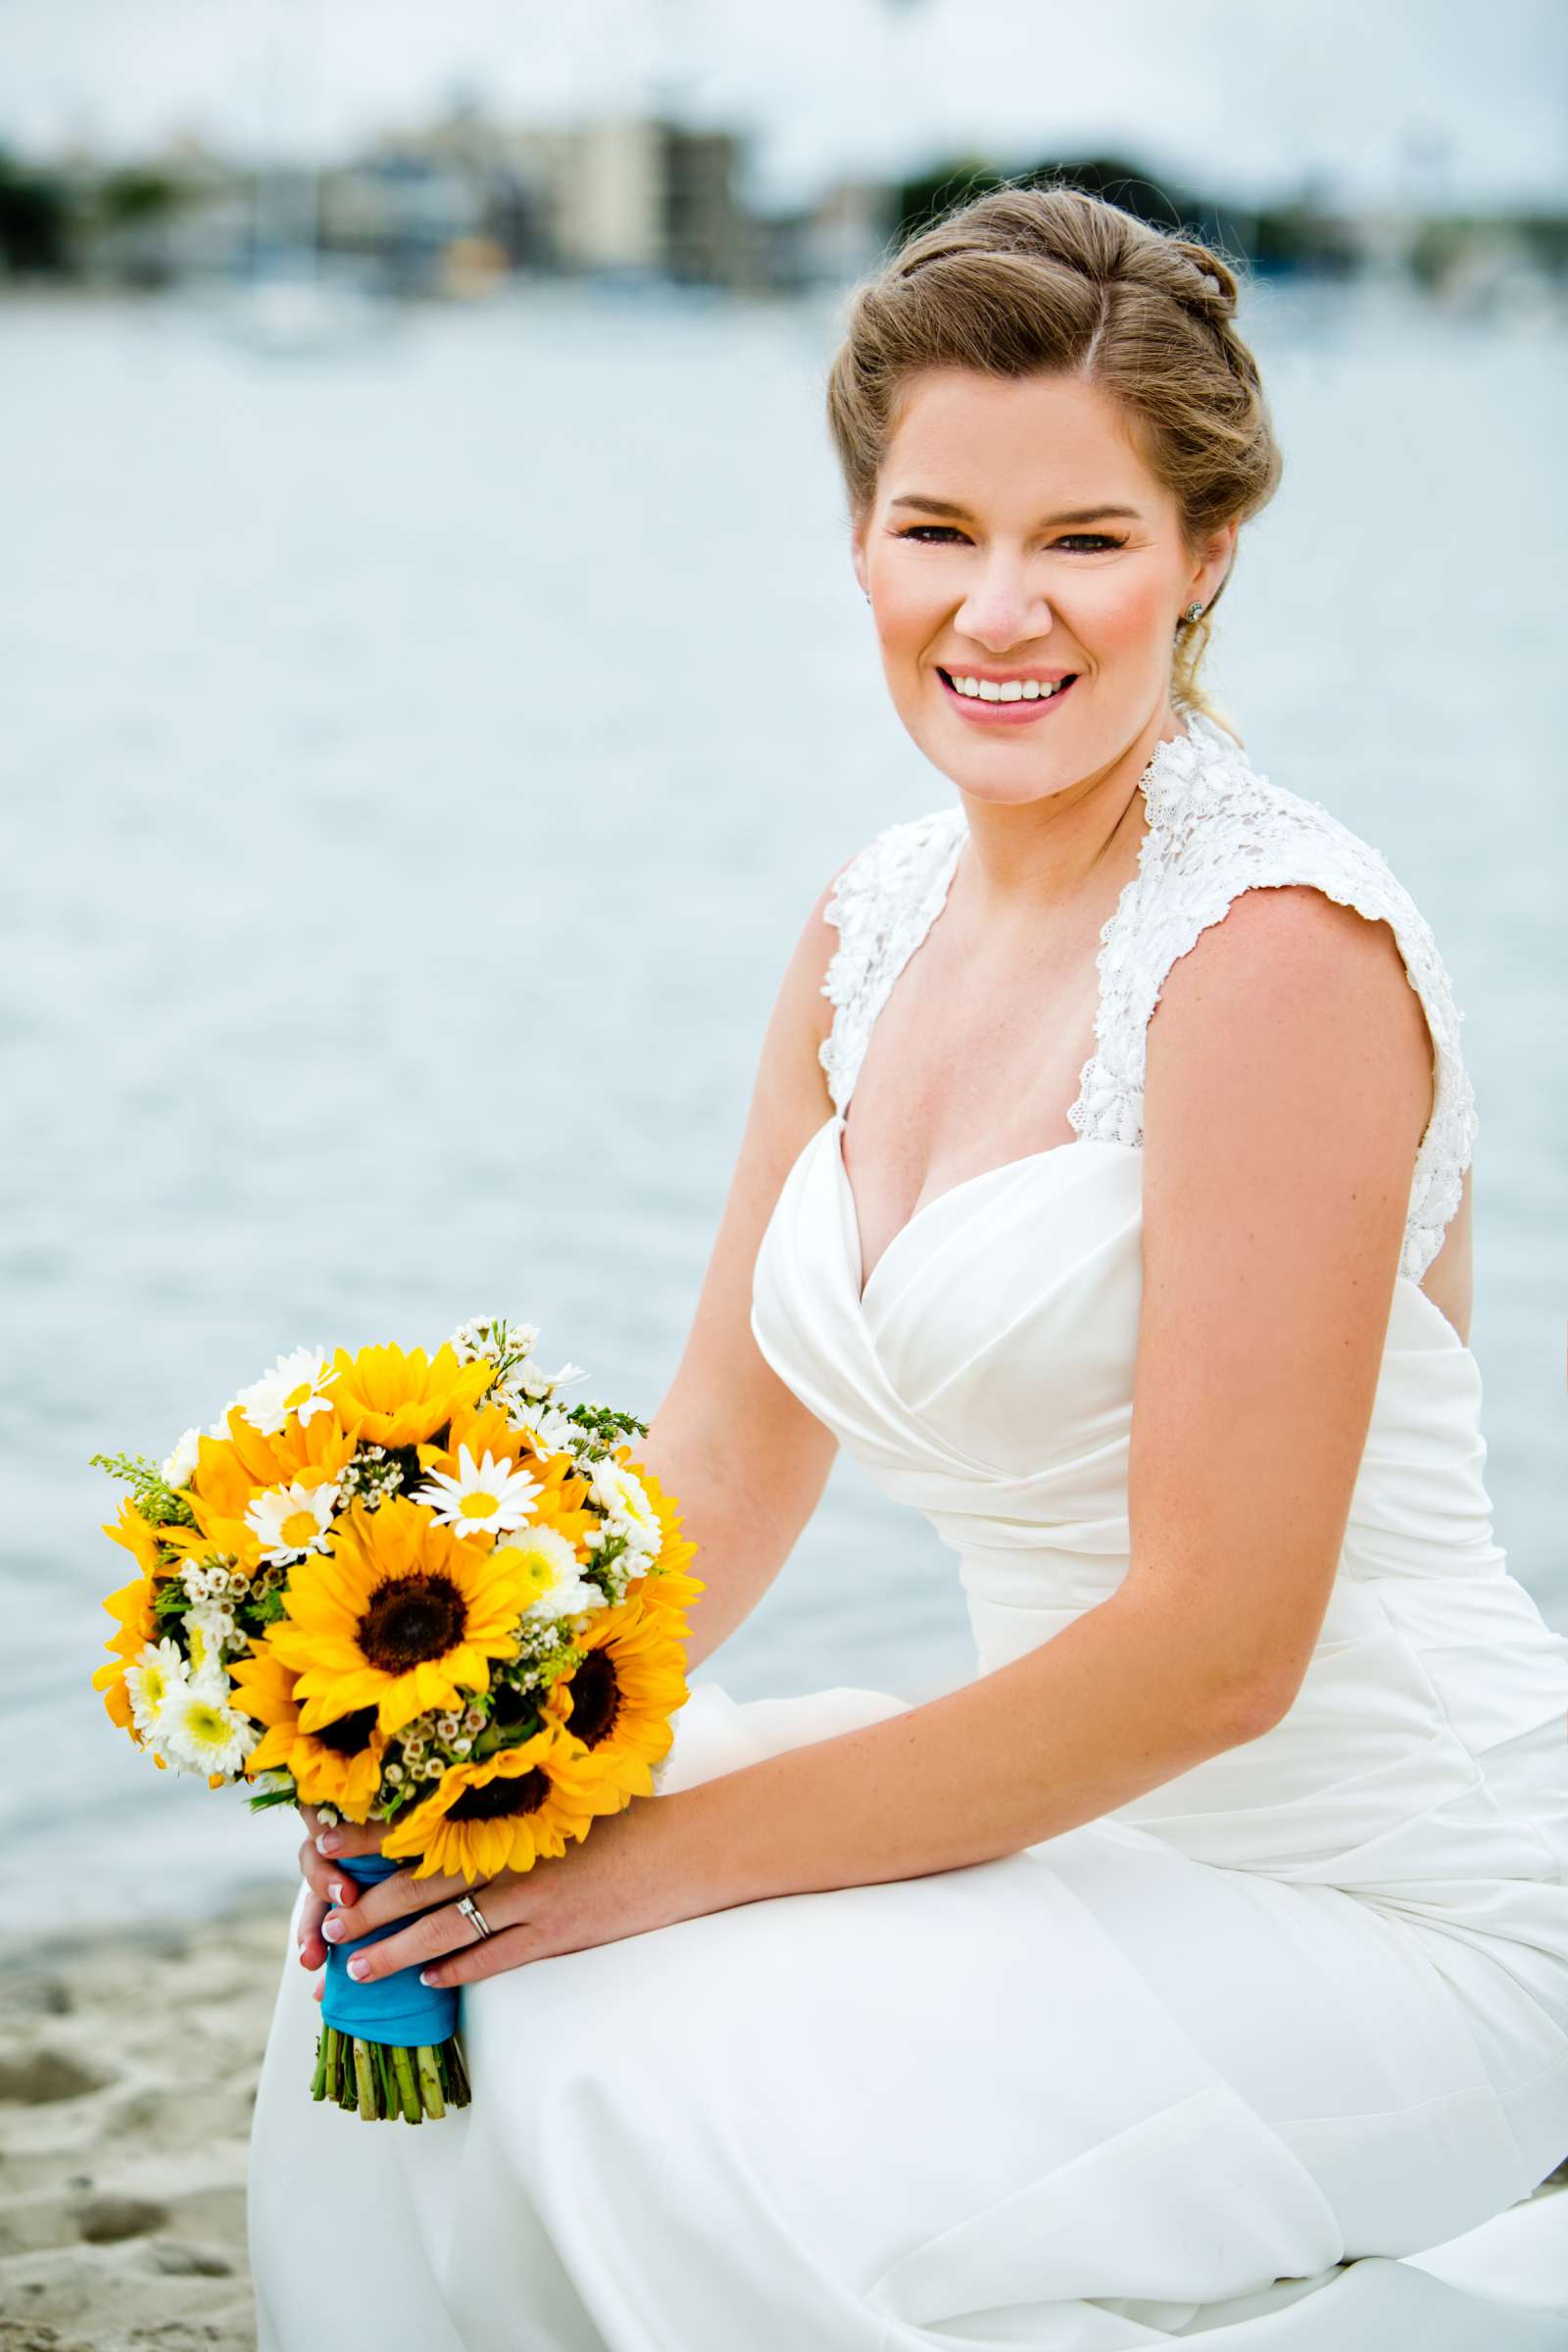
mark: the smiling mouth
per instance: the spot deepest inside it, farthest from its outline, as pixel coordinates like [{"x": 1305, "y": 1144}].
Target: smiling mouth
[{"x": 990, "y": 693}]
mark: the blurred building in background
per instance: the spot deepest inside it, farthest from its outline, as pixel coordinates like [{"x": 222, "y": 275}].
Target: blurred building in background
[{"x": 472, "y": 203}]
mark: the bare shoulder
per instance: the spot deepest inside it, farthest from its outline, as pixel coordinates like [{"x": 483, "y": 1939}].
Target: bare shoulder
[
  {"x": 1289, "y": 949},
  {"x": 1288, "y": 1060},
  {"x": 1278, "y": 942}
]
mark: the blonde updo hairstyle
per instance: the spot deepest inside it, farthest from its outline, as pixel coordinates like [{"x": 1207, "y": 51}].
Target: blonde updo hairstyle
[{"x": 1035, "y": 280}]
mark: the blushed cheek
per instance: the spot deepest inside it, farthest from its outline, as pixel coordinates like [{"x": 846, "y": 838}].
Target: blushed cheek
[{"x": 1125, "y": 622}]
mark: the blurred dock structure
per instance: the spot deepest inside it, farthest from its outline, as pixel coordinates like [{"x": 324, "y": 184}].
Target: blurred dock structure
[{"x": 470, "y": 203}]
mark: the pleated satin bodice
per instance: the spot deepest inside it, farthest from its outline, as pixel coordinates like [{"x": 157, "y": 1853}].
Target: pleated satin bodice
[{"x": 986, "y": 1378}]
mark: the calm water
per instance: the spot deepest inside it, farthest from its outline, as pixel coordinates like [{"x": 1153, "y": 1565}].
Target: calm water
[{"x": 421, "y": 759}]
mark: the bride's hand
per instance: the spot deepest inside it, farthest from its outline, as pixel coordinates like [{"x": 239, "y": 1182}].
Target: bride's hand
[
  {"x": 632, "y": 1872},
  {"x": 330, "y": 1885}
]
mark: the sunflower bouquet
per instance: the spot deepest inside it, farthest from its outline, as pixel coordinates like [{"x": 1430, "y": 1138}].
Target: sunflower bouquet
[{"x": 412, "y": 1590}]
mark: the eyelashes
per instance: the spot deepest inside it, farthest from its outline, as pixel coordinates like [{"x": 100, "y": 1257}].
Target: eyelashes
[{"x": 1094, "y": 541}]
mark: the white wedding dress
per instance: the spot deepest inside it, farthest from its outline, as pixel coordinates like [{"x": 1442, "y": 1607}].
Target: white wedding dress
[{"x": 1205, "y": 2067}]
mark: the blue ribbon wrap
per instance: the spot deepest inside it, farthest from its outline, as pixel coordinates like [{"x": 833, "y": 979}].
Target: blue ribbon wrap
[{"x": 398, "y": 2010}]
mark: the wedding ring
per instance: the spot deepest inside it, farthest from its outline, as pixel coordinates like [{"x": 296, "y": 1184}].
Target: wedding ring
[{"x": 475, "y": 1916}]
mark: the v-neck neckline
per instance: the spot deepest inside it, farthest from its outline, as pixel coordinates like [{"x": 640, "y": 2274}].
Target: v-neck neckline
[
  {"x": 1193, "y": 740},
  {"x": 861, "y": 1283}
]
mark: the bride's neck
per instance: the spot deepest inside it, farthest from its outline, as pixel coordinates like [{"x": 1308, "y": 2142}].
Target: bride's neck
[{"x": 1027, "y": 858}]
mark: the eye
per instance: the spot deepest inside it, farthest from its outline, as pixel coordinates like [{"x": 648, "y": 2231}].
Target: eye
[{"x": 927, "y": 534}]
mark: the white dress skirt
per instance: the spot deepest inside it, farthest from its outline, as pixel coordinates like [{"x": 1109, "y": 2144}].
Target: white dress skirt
[{"x": 1249, "y": 2059}]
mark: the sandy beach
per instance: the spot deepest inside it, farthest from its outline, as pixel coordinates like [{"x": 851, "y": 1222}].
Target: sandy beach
[{"x": 128, "y": 2061}]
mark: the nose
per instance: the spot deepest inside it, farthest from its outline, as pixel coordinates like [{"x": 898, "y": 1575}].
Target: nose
[{"x": 1002, "y": 608}]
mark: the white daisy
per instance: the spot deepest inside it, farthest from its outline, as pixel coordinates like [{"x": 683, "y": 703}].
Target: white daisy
[
  {"x": 202, "y": 1731},
  {"x": 530, "y": 1380},
  {"x": 181, "y": 1467},
  {"x": 624, "y": 1499},
  {"x": 290, "y": 1521},
  {"x": 486, "y": 1497},
  {"x": 294, "y": 1385},
  {"x": 547, "y": 1428},
  {"x": 158, "y": 1671},
  {"x": 563, "y": 1589}
]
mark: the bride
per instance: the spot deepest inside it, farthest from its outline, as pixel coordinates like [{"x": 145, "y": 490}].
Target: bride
[{"x": 1215, "y": 1934}]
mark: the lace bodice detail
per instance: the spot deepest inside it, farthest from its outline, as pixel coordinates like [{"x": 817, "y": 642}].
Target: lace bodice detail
[{"x": 1215, "y": 827}]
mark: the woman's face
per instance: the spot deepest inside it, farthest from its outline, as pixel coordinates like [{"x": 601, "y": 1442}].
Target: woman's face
[{"x": 1017, "y": 535}]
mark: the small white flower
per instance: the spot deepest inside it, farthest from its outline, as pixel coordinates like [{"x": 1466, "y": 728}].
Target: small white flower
[
  {"x": 202, "y": 1731},
  {"x": 181, "y": 1467},
  {"x": 203, "y": 1580},
  {"x": 294, "y": 1385},
  {"x": 290, "y": 1521},
  {"x": 486, "y": 1497},
  {"x": 160, "y": 1669}
]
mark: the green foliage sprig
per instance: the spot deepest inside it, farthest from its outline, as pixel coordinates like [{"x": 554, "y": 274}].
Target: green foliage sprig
[{"x": 157, "y": 1501}]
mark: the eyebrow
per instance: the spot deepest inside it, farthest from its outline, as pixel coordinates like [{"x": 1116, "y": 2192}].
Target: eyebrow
[{"x": 942, "y": 506}]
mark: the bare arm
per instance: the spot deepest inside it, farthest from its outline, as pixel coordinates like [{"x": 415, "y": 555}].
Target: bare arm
[
  {"x": 1290, "y": 1079},
  {"x": 743, "y": 1455}
]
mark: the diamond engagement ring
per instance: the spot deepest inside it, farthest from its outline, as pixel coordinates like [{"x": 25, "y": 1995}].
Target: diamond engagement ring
[{"x": 475, "y": 1916}]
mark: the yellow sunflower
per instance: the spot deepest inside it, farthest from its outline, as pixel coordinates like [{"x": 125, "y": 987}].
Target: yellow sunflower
[
  {"x": 132, "y": 1608},
  {"x": 399, "y": 1614},
  {"x": 619, "y": 1698},
  {"x": 389, "y": 1399},
  {"x": 517, "y": 1807},
  {"x": 339, "y": 1763},
  {"x": 230, "y": 1472},
  {"x": 669, "y": 1589}
]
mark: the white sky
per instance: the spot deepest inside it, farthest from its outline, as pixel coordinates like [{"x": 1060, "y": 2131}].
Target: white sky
[{"x": 1376, "y": 98}]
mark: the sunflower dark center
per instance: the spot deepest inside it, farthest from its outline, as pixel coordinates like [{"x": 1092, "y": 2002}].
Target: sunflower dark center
[
  {"x": 501, "y": 1800},
  {"x": 349, "y": 1733},
  {"x": 595, "y": 1698},
  {"x": 411, "y": 1618},
  {"x": 410, "y": 1469}
]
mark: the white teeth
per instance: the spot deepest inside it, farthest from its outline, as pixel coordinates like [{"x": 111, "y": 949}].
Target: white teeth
[{"x": 1009, "y": 689}]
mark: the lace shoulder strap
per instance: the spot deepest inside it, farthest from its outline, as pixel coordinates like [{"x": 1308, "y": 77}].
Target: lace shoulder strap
[
  {"x": 883, "y": 904},
  {"x": 1215, "y": 828}
]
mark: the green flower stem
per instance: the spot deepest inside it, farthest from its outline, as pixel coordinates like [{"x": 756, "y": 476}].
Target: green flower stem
[
  {"x": 365, "y": 2080},
  {"x": 324, "y": 2062},
  {"x": 409, "y": 2090},
  {"x": 387, "y": 2082},
  {"x": 429, "y": 2072}
]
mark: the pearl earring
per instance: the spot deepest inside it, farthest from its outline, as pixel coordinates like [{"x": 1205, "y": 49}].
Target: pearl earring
[{"x": 1194, "y": 613}]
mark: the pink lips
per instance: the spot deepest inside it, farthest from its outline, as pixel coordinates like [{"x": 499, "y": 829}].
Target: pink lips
[{"x": 1004, "y": 715}]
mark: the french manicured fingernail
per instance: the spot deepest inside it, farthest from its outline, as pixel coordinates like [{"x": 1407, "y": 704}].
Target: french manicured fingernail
[
  {"x": 358, "y": 1965},
  {"x": 329, "y": 1843},
  {"x": 334, "y": 1888},
  {"x": 430, "y": 1976},
  {"x": 331, "y": 1929}
]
